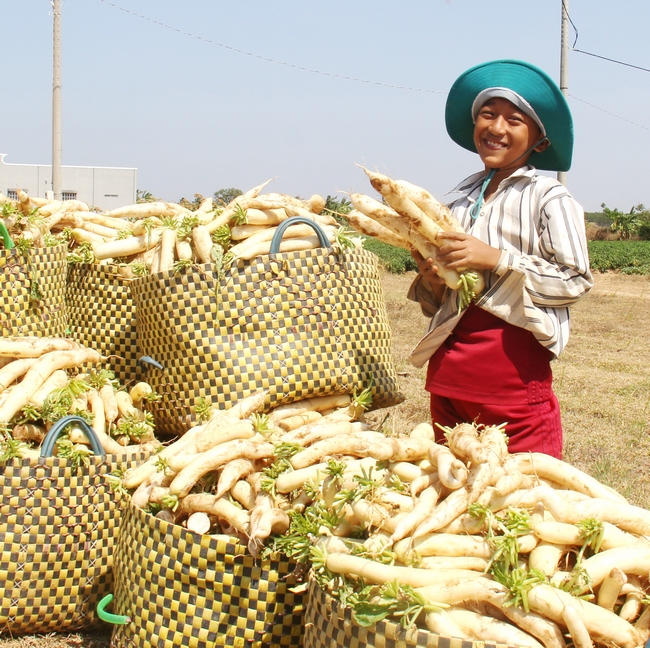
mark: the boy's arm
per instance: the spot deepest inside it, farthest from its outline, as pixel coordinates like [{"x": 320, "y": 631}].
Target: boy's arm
[
  {"x": 427, "y": 288},
  {"x": 562, "y": 275},
  {"x": 420, "y": 292},
  {"x": 558, "y": 276}
]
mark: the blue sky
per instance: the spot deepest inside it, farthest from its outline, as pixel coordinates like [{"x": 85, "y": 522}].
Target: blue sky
[{"x": 204, "y": 94}]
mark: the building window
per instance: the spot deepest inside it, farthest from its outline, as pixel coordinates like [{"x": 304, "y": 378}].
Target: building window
[
  {"x": 12, "y": 194},
  {"x": 68, "y": 195},
  {"x": 110, "y": 195}
]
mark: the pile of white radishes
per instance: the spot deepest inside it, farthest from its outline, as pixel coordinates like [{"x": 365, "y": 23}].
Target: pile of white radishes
[
  {"x": 157, "y": 236},
  {"x": 464, "y": 539},
  {"x": 44, "y": 379}
]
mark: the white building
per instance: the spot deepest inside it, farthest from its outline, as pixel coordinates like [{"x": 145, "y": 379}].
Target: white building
[{"x": 102, "y": 187}]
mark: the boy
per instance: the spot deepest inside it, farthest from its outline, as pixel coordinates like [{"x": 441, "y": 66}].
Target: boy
[{"x": 490, "y": 363}]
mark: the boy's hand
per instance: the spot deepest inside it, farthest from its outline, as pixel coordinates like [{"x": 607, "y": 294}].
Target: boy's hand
[
  {"x": 429, "y": 271},
  {"x": 459, "y": 250}
]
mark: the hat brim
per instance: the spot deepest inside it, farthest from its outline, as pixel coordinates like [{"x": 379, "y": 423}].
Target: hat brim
[{"x": 539, "y": 90}]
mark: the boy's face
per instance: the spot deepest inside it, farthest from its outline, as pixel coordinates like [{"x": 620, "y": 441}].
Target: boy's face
[{"x": 504, "y": 135}]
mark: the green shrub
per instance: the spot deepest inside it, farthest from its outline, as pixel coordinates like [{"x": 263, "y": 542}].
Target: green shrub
[
  {"x": 394, "y": 259},
  {"x": 644, "y": 231},
  {"x": 628, "y": 257},
  {"x": 598, "y": 218}
]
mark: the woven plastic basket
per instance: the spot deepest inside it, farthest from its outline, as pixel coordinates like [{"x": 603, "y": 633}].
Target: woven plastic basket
[
  {"x": 32, "y": 292},
  {"x": 58, "y": 530},
  {"x": 177, "y": 588},
  {"x": 297, "y": 324},
  {"x": 101, "y": 315},
  {"x": 330, "y": 625}
]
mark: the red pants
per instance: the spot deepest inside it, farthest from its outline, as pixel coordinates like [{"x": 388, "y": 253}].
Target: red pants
[{"x": 530, "y": 427}]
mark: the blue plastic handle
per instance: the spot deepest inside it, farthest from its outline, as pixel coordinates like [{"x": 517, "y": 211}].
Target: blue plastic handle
[
  {"x": 148, "y": 360},
  {"x": 56, "y": 430},
  {"x": 294, "y": 220}
]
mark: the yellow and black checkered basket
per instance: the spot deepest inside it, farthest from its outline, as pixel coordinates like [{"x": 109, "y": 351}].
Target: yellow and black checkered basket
[
  {"x": 32, "y": 292},
  {"x": 174, "y": 587},
  {"x": 296, "y": 324},
  {"x": 101, "y": 315},
  {"x": 58, "y": 531},
  {"x": 328, "y": 624}
]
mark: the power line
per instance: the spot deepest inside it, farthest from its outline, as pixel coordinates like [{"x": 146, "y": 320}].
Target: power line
[
  {"x": 575, "y": 29},
  {"x": 573, "y": 49},
  {"x": 609, "y": 113},
  {"x": 331, "y": 74},
  {"x": 604, "y": 58},
  {"x": 264, "y": 58}
]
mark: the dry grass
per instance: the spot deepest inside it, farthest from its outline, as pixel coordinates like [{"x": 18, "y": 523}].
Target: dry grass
[
  {"x": 601, "y": 380},
  {"x": 101, "y": 640},
  {"x": 603, "y": 384}
]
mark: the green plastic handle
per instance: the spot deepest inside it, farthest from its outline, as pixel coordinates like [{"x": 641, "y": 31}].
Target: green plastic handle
[
  {"x": 4, "y": 232},
  {"x": 109, "y": 617}
]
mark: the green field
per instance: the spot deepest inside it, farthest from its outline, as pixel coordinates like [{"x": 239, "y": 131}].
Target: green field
[{"x": 627, "y": 257}]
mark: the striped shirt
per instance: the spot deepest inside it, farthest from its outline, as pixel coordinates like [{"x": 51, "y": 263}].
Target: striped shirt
[{"x": 543, "y": 268}]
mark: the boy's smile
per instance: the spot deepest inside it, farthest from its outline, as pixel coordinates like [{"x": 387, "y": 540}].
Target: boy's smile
[{"x": 505, "y": 136}]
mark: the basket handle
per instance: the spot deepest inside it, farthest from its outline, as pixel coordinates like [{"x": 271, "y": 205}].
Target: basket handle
[
  {"x": 60, "y": 425},
  {"x": 294, "y": 220},
  {"x": 109, "y": 617},
  {"x": 146, "y": 361},
  {"x": 4, "y": 232}
]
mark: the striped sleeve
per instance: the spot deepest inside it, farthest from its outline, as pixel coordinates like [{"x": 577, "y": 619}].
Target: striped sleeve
[{"x": 557, "y": 273}]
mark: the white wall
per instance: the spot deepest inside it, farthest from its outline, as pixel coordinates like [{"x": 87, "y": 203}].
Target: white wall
[{"x": 102, "y": 187}]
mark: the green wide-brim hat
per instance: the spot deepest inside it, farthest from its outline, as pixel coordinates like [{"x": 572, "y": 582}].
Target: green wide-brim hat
[{"x": 531, "y": 83}]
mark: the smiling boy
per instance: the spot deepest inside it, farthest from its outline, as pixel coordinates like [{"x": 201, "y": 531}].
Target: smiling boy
[{"x": 490, "y": 363}]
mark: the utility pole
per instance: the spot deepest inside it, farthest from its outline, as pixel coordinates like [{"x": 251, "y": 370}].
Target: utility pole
[
  {"x": 564, "y": 65},
  {"x": 56, "y": 101}
]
